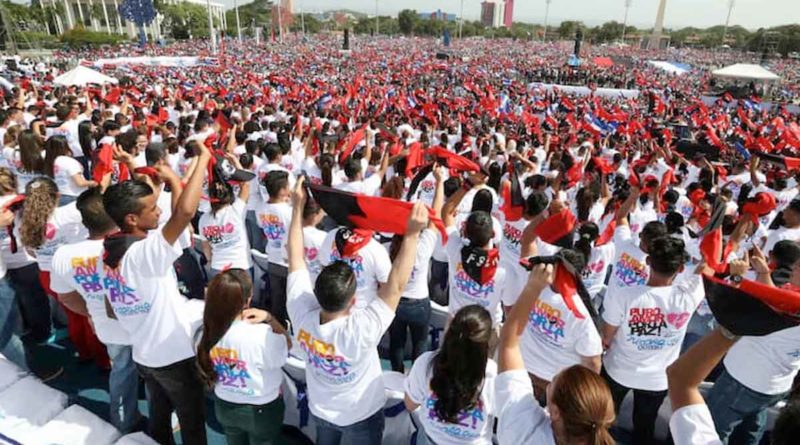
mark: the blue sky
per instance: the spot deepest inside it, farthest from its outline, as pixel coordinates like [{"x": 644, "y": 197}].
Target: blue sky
[{"x": 701, "y": 13}]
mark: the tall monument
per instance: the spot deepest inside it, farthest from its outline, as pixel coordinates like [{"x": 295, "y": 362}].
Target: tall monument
[{"x": 655, "y": 39}]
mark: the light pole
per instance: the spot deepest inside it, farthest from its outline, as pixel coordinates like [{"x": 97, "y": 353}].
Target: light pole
[
  {"x": 461, "y": 19},
  {"x": 238, "y": 26},
  {"x": 731, "y": 3},
  {"x": 211, "y": 28},
  {"x": 280, "y": 22},
  {"x": 625, "y": 20},
  {"x": 546, "y": 16},
  {"x": 377, "y": 21}
]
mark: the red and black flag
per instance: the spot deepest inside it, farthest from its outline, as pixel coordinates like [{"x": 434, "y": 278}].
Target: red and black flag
[
  {"x": 758, "y": 206},
  {"x": 418, "y": 178},
  {"x": 785, "y": 162},
  {"x": 566, "y": 281},
  {"x": 711, "y": 245},
  {"x": 453, "y": 161},
  {"x": 557, "y": 229},
  {"x": 753, "y": 308},
  {"x": 513, "y": 201},
  {"x": 348, "y": 144},
  {"x": 368, "y": 212}
]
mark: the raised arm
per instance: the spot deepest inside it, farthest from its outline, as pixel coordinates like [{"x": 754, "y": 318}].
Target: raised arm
[
  {"x": 509, "y": 354},
  {"x": 754, "y": 161},
  {"x": 186, "y": 206},
  {"x": 297, "y": 260},
  {"x": 693, "y": 366},
  {"x": 438, "y": 195},
  {"x": 404, "y": 261},
  {"x": 621, "y": 217}
]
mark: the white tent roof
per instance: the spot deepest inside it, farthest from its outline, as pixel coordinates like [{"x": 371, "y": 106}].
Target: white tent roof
[
  {"x": 668, "y": 67},
  {"x": 746, "y": 71},
  {"x": 80, "y": 75}
]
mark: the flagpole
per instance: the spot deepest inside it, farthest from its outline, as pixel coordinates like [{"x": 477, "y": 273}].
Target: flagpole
[
  {"x": 546, "y": 15},
  {"x": 731, "y": 4},
  {"x": 461, "y": 19},
  {"x": 280, "y": 21},
  {"x": 211, "y": 28},
  {"x": 238, "y": 26},
  {"x": 625, "y": 21}
]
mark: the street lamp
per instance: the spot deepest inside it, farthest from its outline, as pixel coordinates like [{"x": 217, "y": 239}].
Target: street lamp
[
  {"x": 211, "y": 28},
  {"x": 731, "y": 4},
  {"x": 377, "y": 21},
  {"x": 461, "y": 19},
  {"x": 625, "y": 21},
  {"x": 546, "y": 15}
]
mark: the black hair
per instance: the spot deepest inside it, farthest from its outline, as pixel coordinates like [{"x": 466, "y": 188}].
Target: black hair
[
  {"x": 459, "y": 367},
  {"x": 587, "y": 234},
  {"x": 121, "y": 200},
  {"x": 479, "y": 229},
  {"x": 535, "y": 181},
  {"x": 335, "y": 286},
  {"x": 667, "y": 254},
  {"x": 109, "y": 126},
  {"x": 650, "y": 231},
  {"x": 246, "y": 159},
  {"x": 495, "y": 176},
  {"x": 585, "y": 199},
  {"x": 93, "y": 215},
  {"x": 352, "y": 167},
  {"x": 575, "y": 258},
  {"x": 674, "y": 222},
  {"x": 787, "y": 425},
  {"x": 326, "y": 163},
  {"x": 451, "y": 185},
  {"x": 155, "y": 151},
  {"x": 272, "y": 151},
  {"x": 276, "y": 181},
  {"x": 536, "y": 203},
  {"x": 482, "y": 201}
]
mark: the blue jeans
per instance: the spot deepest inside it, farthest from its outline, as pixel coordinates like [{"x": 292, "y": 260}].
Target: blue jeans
[
  {"x": 412, "y": 316},
  {"x": 123, "y": 388},
  {"x": 10, "y": 344},
  {"x": 739, "y": 413},
  {"x": 367, "y": 432}
]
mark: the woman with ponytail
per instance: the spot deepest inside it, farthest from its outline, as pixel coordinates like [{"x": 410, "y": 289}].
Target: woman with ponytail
[
  {"x": 580, "y": 407},
  {"x": 598, "y": 260},
  {"x": 454, "y": 387},
  {"x": 239, "y": 356}
]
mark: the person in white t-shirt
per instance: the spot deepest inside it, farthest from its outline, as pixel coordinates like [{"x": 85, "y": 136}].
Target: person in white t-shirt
[
  {"x": 65, "y": 171},
  {"x": 454, "y": 386},
  {"x": 274, "y": 217},
  {"x": 240, "y": 354},
  {"x": 598, "y": 260},
  {"x": 758, "y": 371},
  {"x": 414, "y": 312},
  {"x": 76, "y": 279},
  {"x": 345, "y": 385},
  {"x": 789, "y": 230},
  {"x": 580, "y": 406},
  {"x": 692, "y": 422},
  {"x": 137, "y": 268},
  {"x": 313, "y": 238},
  {"x": 643, "y": 330},
  {"x": 223, "y": 228}
]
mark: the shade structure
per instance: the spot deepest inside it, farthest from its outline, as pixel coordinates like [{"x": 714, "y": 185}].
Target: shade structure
[
  {"x": 746, "y": 71},
  {"x": 81, "y": 76},
  {"x": 670, "y": 67}
]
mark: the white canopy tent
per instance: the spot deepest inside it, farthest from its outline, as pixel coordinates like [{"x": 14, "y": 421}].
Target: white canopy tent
[
  {"x": 746, "y": 71},
  {"x": 81, "y": 76}
]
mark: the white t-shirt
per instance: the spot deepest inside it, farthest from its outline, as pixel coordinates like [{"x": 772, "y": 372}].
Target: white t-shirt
[
  {"x": 555, "y": 339},
  {"x": 368, "y": 186},
  {"x": 594, "y": 274},
  {"x": 75, "y": 268},
  {"x": 465, "y": 291},
  {"x": 474, "y": 425},
  {"x": 766, "y": 364},
  {"x": 143, "y": 292},
  {"x": 254, "y": 198},
  {"x": 227, "y": 235},
  {"x": 630, "y": 268},
  {"x": 652, "y": 322},
  {"x": 780, "y": 234},
  {"x": 13, "y": 260},
  {"x": 262, "y": 172},
  {"x": 64, "y": 226},
  {"x": 343, "y": 371},
  {"x": 371, "y": 265},
  {"x": 417, "y": 287},
  {"x": 14, "y": 162},
  {"x": 693, "y": 425},
  {"x": 248, "y": 362},
  {"x": 274, "y": 220},
  {"x": 312, "y": 243},
  {"x": 521, "y": 419},
  {"x": 64, "y": 168}
]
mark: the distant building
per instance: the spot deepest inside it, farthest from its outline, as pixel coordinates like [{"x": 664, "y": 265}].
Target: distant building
[
  {"x": 508, "y": 17},
  {"x": 497, "y": 13},
  {"x": 438, "y": 15}
]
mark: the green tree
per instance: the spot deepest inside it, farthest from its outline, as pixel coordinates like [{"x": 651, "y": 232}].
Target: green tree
[
  {"x": 608, "y": 32},
  {"x": 566, "y": 30},
  {"x": 407, "y": 20},
  {"x": 185, "y": 20}
]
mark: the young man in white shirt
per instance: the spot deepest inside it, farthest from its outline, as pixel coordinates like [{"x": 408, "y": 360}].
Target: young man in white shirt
[
  {"x": 345, "y": 385},
  {"x": 75, "y": 277},
  {"x": 643, "y": 331},
  {"x": 273, "y": 218},
  {"x": 143, "y": 294}
]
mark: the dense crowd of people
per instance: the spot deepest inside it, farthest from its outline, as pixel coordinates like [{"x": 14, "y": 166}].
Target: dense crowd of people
[{"x": 579, "y": 244}]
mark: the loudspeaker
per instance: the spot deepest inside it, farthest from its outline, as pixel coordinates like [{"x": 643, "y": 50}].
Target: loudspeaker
[
  {"x": 442, "y": 55},
  {"x": 346, "y": 44}
]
